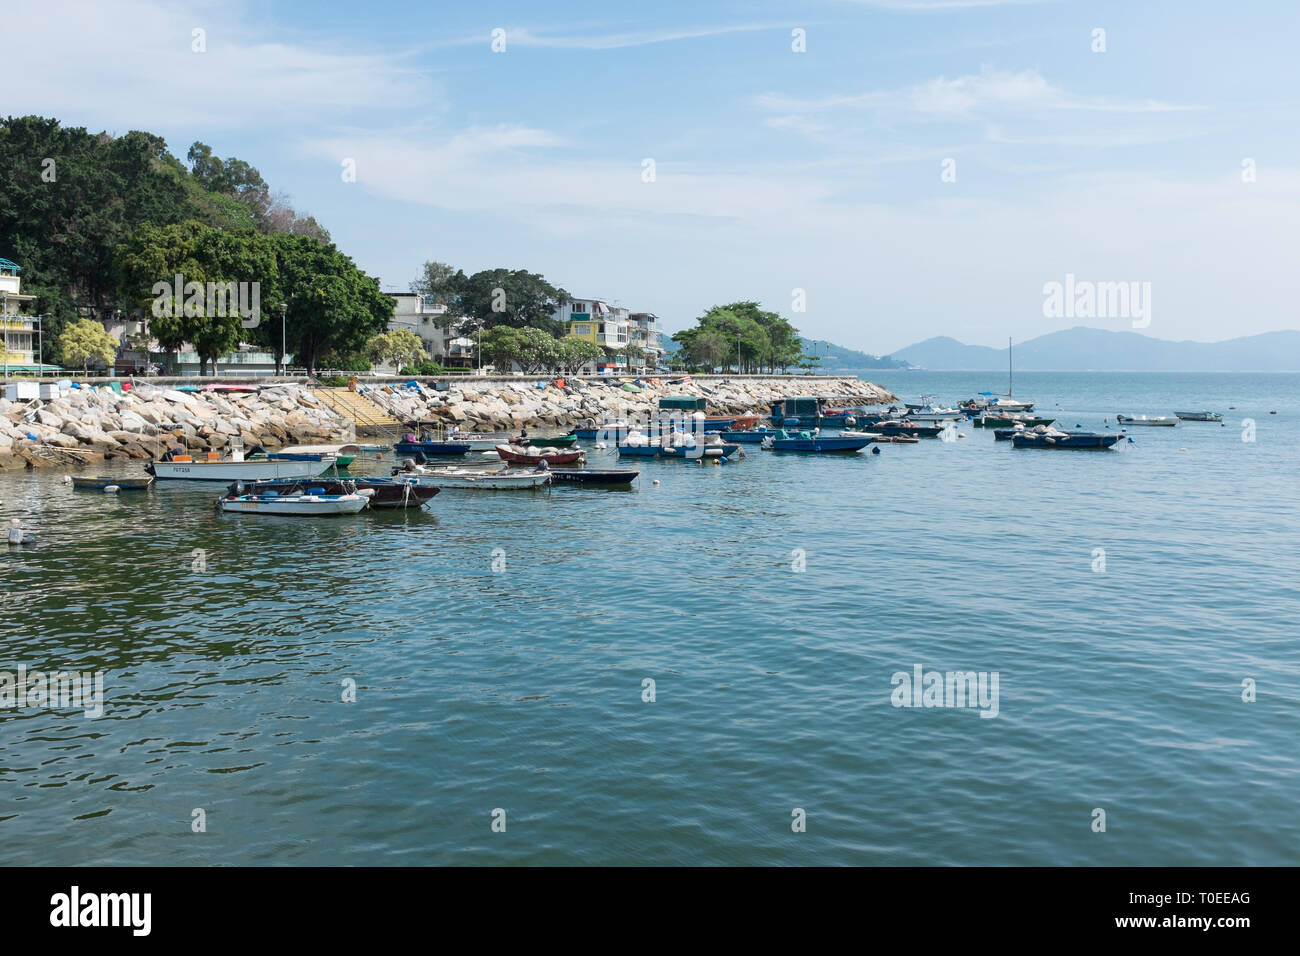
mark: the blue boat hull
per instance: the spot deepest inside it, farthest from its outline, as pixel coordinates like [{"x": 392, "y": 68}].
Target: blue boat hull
[
  {"x": 431, "y": 447},
  {"x": 1073, "y": 440},
  {"x": 821, "y": 444},
  {"x": 594, "y": 476},
  {"x": 751, "y": 436}
]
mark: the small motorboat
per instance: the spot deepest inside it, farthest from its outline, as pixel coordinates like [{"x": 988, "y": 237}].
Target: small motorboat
[
  {"x": 748, "y": 436},
  {"x": 179, "y": 465},
  {"x": 343, "y": 455},
  {"x": 889, "y": 429},
  {"x": 432, "y": 449},
  {"x": 270, "y": 503},
  {"x": 383, "y": 492},
  {"x": 594, "y": 476},
  {"x": 532, "y": 454},
  {"x": 97, "y": 483},
  {"x": 996, "y": 420},
  {"x": 1199, "y": 416},
  {"x": 1046, "y": 437},
  {"x": 782, "y": 440},
  {"x": 467, "y": 478},
  {"x": 560, "y": 441},
  {"x": 1152, "y": 420}
]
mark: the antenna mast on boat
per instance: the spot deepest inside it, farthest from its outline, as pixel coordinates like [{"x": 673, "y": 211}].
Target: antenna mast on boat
[{"x": 1008, "y": 366}]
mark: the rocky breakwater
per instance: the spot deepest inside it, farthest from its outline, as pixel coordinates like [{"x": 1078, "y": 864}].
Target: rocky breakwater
[
  {"x": 94, "y": 423},
  {"x": 487, "y": 405}
]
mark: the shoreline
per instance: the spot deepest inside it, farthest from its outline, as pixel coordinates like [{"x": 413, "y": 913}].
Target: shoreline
[{"x": 95, "y": 422}]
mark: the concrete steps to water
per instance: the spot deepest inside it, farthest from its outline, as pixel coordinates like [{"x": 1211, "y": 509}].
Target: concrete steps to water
[{"x": 368, "y": 417}]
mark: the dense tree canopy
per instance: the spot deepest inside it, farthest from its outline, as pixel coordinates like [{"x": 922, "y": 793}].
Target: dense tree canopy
[
  {"x": 742, "y": 333},
  {"x": 69, "y": 199}
]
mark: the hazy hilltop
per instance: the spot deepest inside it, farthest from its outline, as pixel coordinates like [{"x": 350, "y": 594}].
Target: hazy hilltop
[{"x": 1083, "y": 349}]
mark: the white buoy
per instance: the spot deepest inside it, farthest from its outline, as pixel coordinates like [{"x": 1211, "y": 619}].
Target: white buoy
[
  {"x": 656, "y": 481},
  {"x": 111, "y": 489},
  {"x": 15, "y": 531},
  {"x": 67, "y": 479}
]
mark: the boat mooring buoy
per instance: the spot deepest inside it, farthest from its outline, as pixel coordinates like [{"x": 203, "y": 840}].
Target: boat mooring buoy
[
  {"x": 875, "y": 450},
  {"x": 16, "y": 535},
  {"x": 111, "y": 489},
  {"x": 67, "y": 479},
  {"x": 656, "y": 482}
]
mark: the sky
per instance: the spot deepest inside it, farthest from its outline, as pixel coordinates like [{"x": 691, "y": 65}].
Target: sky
[{"x": 876, "y": 171}]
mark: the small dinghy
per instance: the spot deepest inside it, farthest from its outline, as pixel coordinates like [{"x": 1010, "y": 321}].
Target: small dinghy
[
  {"x": 1199, "y": 416},
  {"x": 555, "y": 441},
  {"x": 1152, "y": 420},
  {"x": 508, "y": 480},
  {"x": 97, "y": 483},
  {"x": 781, "y": 440},
  {"x": 532, "y": 454},
  {"x": 271, "y": 503}
]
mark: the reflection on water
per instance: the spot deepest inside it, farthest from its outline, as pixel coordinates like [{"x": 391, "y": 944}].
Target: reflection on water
[{"x": 225, "y": 681}]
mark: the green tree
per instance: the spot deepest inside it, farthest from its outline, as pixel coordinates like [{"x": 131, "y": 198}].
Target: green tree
[
  {"x": 572, "y": 354},
  {"x": 501, "y": 346},
  {"x": 438, "y": 283},
  {"x": 515, "y": 298},
  {"x": 86, "y": 341},
  {"x": 398, "y": 347}
]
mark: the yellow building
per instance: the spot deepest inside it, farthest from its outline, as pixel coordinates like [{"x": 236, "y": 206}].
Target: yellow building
[{"x": 20, "y": 347}]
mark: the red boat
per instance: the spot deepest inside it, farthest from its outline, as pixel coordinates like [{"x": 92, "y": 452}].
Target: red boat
[{"x": 534, "y": 454}]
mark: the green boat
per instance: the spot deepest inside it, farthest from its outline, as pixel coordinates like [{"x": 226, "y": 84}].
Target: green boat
[
  {"x": 561, "y": 441},
  {"x": 97, "y": 483}
]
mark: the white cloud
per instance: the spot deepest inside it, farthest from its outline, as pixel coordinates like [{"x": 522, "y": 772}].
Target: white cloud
[
  {"x": 133, "y": 62},
  {"x": 522, "y": 36},
  {"x": 989, "y": 90}
]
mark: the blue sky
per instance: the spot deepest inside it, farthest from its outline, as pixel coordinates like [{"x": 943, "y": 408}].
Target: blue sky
[{"x": 774, "y": 170}]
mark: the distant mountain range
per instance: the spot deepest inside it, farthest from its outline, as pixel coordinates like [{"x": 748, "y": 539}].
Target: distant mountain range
[
  {"x": 838, "y": 356},
  {"x": 1085, "y": 350}
]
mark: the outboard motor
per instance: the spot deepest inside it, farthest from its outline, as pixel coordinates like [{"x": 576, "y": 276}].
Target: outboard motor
[{"x": 236, "y": 489}]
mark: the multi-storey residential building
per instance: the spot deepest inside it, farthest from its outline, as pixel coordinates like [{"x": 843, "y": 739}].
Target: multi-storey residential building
[
  {"x": 644, "y": 327},
  {"x": 21, "y": 348},
  {"x": 440, "y": 332}
]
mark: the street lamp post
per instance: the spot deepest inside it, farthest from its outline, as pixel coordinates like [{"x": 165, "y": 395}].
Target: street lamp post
[
  {"x": 284, "y": 309},
  {"x": 4, "y": 317}
]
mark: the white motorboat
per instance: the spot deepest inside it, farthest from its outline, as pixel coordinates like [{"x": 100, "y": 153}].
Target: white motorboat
[
  {"x": 452, "y": 477},
  {"x": 1153, "y": 420},
  {"x": 236, "y": 468},
  {"x": 269, "y": 503}
]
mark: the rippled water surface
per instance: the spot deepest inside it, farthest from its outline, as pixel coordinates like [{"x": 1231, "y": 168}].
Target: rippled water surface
[{"x": 522, "y": 689}]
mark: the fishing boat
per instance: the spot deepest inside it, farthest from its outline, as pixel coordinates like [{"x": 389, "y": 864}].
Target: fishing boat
[
  {"x": 96, "y": 483},
  {"x": 1199, "y": 416},
  {"x": 594, "y": 476},
  {"x": 799, "y": 412},
  {"x": 1155, "y": 421},
  {"x": 270, "y": 503},
  {"x": 674, "y": 406},
  {"x": 343, "y": 455},
  {"x": 469, "y": 479},
  {"x": 235, "y": 467},
  {"x": 384, "y": 492},
  {"x": 534, "y": 453},
  {"x": 1045, "y": 437},
  {"x": 805, "y": 441}
]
